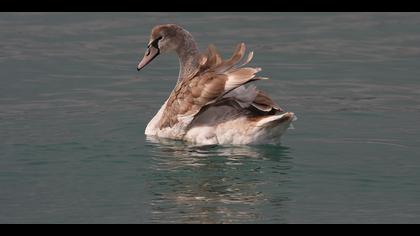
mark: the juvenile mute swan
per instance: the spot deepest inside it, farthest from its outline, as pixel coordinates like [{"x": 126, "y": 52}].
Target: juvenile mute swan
[{"x": 210, "y": 103}]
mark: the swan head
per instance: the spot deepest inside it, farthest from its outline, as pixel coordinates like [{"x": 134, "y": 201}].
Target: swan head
[{"x": 163, "y": 39}]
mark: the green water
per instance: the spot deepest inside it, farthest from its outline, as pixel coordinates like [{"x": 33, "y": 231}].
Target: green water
[{"x": 73, "y": 110}]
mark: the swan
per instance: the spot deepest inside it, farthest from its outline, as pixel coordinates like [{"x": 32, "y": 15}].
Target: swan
[{"x": 210, "y": 103}]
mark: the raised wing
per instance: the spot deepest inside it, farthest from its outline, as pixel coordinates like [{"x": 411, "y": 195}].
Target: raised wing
[{"x": 214, "y": 79}]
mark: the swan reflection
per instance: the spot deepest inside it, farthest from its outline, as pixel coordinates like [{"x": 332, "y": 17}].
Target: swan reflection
[{"x": 216, "y": 184}]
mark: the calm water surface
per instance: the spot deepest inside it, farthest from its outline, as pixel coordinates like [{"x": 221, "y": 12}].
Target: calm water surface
[{"x": 73, "y": 110}]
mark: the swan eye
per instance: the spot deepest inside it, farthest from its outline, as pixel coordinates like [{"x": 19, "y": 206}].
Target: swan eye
[{"x": 155, "y": 42}]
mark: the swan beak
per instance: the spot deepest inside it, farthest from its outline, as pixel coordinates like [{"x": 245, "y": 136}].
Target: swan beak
[{"x": 149, "y": 55}]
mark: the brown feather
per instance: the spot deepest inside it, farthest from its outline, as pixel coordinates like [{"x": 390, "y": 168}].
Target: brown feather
[
  {"x": 213, "y": 79},
  {"x": 265, "y": 103}
]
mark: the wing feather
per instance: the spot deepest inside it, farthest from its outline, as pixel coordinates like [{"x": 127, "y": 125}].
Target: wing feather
[{"x": 214, "y": 79}]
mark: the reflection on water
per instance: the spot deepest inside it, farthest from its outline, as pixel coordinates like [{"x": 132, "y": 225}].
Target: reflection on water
[{"x": 215, "y": 184}]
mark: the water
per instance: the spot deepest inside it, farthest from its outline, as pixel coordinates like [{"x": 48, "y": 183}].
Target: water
[{"x": 73, "y": 110}]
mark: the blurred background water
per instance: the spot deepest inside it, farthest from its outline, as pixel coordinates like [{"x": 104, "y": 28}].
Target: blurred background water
[{"x": 73, "y": 110}]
